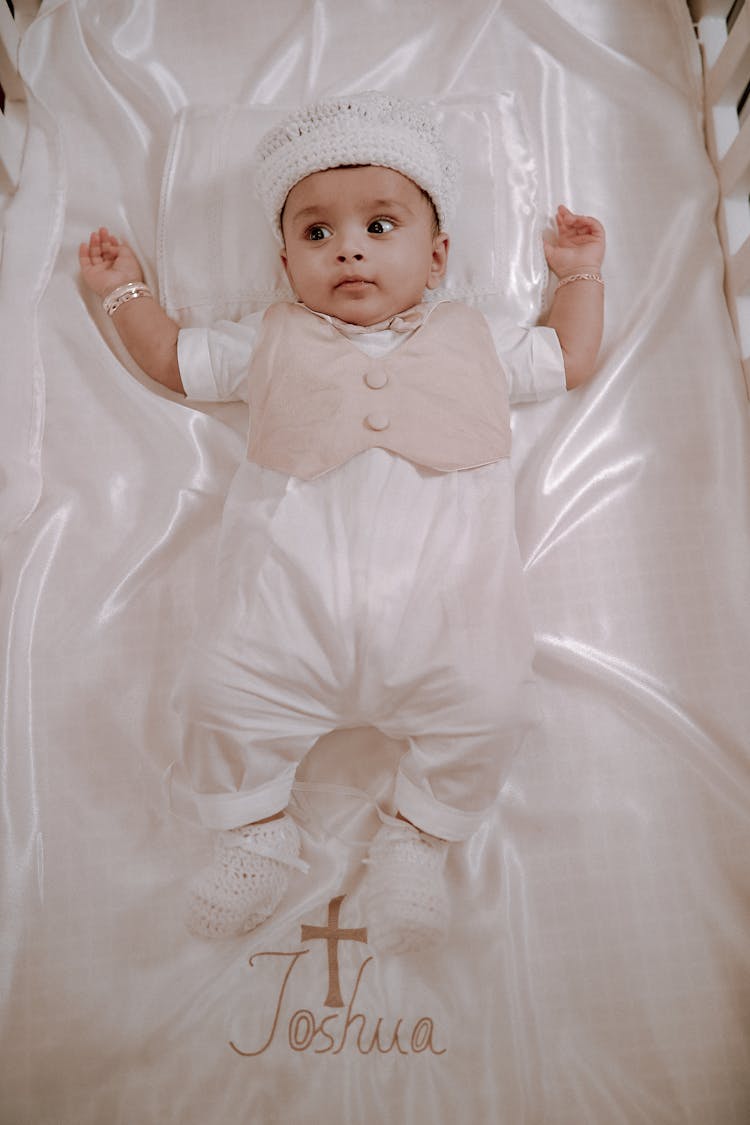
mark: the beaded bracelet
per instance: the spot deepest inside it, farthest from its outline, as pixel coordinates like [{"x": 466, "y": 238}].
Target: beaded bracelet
[
  {"x": 124, "y": 293},
  {"x": 597, "y": 277}
]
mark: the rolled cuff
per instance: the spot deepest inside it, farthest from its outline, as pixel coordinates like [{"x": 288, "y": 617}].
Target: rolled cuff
[
  {"x": 531, "y": 357},
  {"x": 433, "y": 817},
  {"x": 194, "y": 362},
  {"x": 222, "y": 811}
]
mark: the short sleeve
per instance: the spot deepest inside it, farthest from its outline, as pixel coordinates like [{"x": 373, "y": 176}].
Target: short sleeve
[
  {"x": 213, "y": 361},
  {"x": 532, "y": 359}
]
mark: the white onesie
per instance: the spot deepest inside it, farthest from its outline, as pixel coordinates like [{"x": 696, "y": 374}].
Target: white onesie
[{"x": 379, "y": 594}]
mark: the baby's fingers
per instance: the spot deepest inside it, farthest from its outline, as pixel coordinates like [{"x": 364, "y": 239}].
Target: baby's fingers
[
  {"x": 568, "y": 220},
  {"x": 108, "y": 243},
  {"x": 571, "y": 223},
  {"x": 91, "y": 251}
]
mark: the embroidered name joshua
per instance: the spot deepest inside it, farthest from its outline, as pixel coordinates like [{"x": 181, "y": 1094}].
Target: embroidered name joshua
[{"x": 331, "y": 1033}]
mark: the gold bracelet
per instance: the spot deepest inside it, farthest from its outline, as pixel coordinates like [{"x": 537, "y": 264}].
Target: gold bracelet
[
  {"x": 125, "y": 293},
  {"x": 597, "y": 277}
]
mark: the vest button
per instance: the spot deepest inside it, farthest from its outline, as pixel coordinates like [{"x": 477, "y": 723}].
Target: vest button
[
  {"x": 376, "y": 379},
  {"x": 378, "y": 421}
]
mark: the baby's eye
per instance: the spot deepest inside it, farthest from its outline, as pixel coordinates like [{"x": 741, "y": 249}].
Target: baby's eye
[
  {"x": 380, "y": 226},
  {"x": 317, "y": 233}
]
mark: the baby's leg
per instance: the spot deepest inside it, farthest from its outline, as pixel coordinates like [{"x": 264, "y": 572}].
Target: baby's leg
[
  {"x": 471, "y": 699},
  {"x": 447, "y": 784},
  {"x": 244, "y": 737},
  {"x": 269, "y": 671}
]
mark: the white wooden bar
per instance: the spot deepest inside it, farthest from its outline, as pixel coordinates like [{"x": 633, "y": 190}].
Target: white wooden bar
[
  {"x": 726, "y": 73},
  {"x": 9, "y": 43},
  {"x": 11, "y": 122},
  {"x": 13, "y": 118}
]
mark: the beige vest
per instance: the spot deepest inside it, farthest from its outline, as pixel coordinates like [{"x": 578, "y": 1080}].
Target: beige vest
[{"x": 439, "y": 399}]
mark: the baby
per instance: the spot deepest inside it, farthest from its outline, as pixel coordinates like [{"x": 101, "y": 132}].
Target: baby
[{"x": 368, "y": 571}]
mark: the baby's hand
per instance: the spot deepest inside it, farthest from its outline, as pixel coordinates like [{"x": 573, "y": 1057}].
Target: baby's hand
[
  {"x": 580, "y": 244},
  {"x": 107, "y": 263}
]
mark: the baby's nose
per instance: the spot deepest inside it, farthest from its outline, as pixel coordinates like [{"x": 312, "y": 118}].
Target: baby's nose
[{"x": 350, "y": 256}]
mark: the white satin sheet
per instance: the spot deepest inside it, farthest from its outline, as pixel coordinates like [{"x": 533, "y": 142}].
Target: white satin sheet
[{"x": 596, "y": 972}]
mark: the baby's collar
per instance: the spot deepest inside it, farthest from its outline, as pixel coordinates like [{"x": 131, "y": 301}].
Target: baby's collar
[{"x": 406, "y": 321}]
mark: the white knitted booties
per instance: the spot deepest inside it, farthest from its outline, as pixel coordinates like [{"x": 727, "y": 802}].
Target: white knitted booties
[
  {"x": 404, "y": 892},
  {"x": 247, "y": 880}
]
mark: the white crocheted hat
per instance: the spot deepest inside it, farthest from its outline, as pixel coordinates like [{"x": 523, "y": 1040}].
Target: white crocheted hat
[{"x": 370, "y": 128}]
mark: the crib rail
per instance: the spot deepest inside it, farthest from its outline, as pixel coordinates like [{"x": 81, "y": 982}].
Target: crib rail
[
  {"x": 14, "y": 19},
  {"x": 724, "y": 33}
]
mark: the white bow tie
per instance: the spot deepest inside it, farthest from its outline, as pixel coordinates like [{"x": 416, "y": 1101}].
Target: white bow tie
[{"x": 402, "y": 322}]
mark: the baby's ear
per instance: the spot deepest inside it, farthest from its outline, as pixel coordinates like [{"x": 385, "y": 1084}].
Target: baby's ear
[
  {"x": 439, "y": 263},
  {"x": 285, "y": 264}
]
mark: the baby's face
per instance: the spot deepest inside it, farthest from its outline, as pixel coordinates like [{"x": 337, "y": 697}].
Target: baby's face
[{"x": 359, "y": 243}]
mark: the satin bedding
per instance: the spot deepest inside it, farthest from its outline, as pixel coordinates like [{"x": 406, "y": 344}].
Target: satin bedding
[{"x": 596, "y": 972}]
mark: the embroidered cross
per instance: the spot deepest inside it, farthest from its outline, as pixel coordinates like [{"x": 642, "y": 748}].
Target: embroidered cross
[{"x": 333, "y": 935}]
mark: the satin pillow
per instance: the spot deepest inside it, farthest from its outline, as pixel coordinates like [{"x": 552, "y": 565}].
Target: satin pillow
[{"x": 217, "y": 258}]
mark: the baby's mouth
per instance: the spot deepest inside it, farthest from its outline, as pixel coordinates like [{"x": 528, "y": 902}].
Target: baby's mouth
[{"x": 353, "y": 283}]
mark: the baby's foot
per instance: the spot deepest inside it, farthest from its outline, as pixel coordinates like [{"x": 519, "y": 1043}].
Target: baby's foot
[
  {"x": 247, "y": 881},
  {"x": 405, "y": 896}
]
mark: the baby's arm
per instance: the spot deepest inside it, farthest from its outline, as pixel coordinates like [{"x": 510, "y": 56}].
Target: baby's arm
[
  {"x": 577, "y": 311},
  {"x": 149, "y": 335}
]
